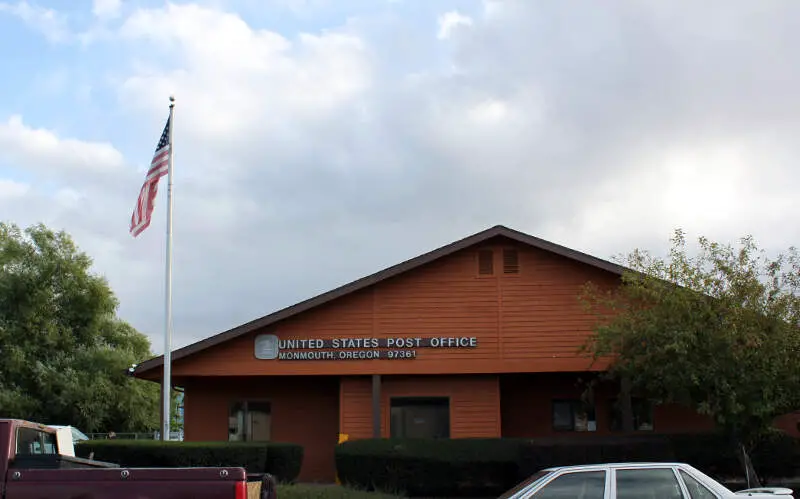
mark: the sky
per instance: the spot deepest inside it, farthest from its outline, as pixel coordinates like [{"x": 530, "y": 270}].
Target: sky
[{"x": 318, "y": 141}]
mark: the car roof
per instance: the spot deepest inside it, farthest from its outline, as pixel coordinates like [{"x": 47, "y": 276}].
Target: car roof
[{"x": 649, "y": 464}]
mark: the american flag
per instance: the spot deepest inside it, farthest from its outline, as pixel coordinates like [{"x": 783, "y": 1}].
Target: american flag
[{"x": 159, "y": 166}]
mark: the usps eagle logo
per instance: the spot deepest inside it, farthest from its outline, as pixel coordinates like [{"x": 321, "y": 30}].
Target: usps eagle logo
[{"x": 267, "y": 347}]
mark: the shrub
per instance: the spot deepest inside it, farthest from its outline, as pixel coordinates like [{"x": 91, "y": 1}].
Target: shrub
[
  {"x": 284, "y": 461},
  {"x": 281, "y": 460},
  {"x": 543, "y": 453},
  {"x": 458, "y": 467},
  {"x": 711, "y": 453},
  {"x": 487, "y": 467},
  {"x": 778, "y": 456}
]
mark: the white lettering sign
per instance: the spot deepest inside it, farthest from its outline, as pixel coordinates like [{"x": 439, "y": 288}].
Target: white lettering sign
[{"x": 269, "y": 347}]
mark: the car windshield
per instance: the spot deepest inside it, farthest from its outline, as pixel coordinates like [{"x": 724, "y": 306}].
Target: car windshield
[
  {"x": 539, "y": 475},
  {"x": 78, "y": 435}
]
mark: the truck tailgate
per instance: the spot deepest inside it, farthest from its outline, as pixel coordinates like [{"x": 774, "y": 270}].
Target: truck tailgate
[{"x": 124, "y": 483}]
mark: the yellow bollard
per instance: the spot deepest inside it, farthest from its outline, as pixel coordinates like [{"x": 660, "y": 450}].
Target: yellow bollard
[{"x": 343, "y": 437}]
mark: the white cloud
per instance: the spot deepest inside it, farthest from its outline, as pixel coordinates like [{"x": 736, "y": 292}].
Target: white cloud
[
  {"x": 304, "y": 160},
  {"x": 11, "y": 190},
  {"x": 246, "y": 79},
  {"x": 49, "y": 22},
  {"x": 43, "y": 150},
  {"x": 450, "y": 21},
  {"x": 106, "y": 9},
  {"x": 720, "y": 189},
  {"x": 83, "y": 188}
]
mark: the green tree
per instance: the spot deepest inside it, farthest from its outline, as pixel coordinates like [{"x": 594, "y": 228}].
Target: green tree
[
  {"x": 717, "y": 331},
  {"x": 65, "y": 353}
]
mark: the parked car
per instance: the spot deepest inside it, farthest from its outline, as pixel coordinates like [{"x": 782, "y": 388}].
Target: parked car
[
  {"x": 32, "y": 467},
  {"x": 631, "y": 481}
]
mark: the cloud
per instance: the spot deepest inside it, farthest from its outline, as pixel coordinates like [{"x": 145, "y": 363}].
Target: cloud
[
  {"x": 44, "y": 151},
  {"x": 11, "y": 190},
  {"x": 106, "y": 9},
  {"x": 270, "y": 75},
  {"x": 307, "y": 159},
  {"x": 450, "y": 21},
  {"x": 49, "y": 22},
  {"x": 87, "y": 189}
]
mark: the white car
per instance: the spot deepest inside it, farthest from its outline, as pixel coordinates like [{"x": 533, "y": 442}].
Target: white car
[
  {"x": 66, "y": 436},
  {"x": 631, "y": 481},
  {"x": 77, "y": 435}
]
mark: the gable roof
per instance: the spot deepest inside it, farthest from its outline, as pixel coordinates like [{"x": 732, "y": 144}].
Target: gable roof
[{"x": 364, "y": 282}]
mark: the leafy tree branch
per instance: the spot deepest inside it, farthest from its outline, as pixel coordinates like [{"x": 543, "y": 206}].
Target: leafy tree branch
[{"x": 718, "y": 331}]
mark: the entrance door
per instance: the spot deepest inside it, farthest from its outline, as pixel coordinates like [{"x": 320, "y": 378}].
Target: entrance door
[
  {"x": 420, "y": 417},
  {"x": 250, "y": 421},
  {"x": 259, "y": 421}
]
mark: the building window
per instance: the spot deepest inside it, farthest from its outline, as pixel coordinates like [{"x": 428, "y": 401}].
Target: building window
[
  {"x": 486, "y": 262},
  {"x": 510, "y": 261},
  {"x": 642, "y": 414},
  {"x": 420, "y": 417},
  {"x": 573, "y": 415},
  {"x": 250, "y": 421}
]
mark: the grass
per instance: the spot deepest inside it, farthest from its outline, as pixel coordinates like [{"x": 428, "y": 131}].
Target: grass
[{"x": 319, "y": 492}]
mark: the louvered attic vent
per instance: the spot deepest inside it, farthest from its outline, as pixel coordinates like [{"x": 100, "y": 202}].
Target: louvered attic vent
[
  {"x": 510, "y": 261},
  {"x": 485, "y": 262}
]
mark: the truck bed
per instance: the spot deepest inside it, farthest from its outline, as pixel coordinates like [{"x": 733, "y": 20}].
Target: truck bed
[{"x": 124, "y": 483}]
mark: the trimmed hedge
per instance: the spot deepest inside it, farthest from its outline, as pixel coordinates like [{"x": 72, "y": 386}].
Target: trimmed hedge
[
  {"x": 282, "y": 460},
  {"x": 457, "y": 467},
  {"x": 488, "y": 467}
]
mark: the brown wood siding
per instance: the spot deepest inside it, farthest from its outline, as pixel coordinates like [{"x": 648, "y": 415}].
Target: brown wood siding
[
  {"x": 542, "y": 318},
  {"x": 527, "y": 411},
  {"x": 355, "y": 407},
  {"x": 526, "y": 322},
  {"x": 474, "y": 401},
  {"x": 305, "y": 411},
  {"x": 789, "y": 423}
]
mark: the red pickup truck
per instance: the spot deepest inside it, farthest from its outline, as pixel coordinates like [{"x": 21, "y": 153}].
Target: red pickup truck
[{"x": 33, "y": 468}]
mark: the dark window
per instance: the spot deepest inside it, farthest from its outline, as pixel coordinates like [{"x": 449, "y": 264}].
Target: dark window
[
  {"x": 659, "y": 482},
  {"x": 584, "y": 484},
  {"x": 420, "y": 417},
  {"x": 642, "y": 415},
  {"x": 250, "y": 421},
  {"x": 485, "y": 262},
  {"x": 696, "y": 489},
  {"x": 510, "y": 261},
  {"x": 573, "y": 415},
  {"x": 31, "y": 441}
]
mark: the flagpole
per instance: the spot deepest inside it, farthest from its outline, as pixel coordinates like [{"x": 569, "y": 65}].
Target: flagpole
[{"x": 166, "y": 382}]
